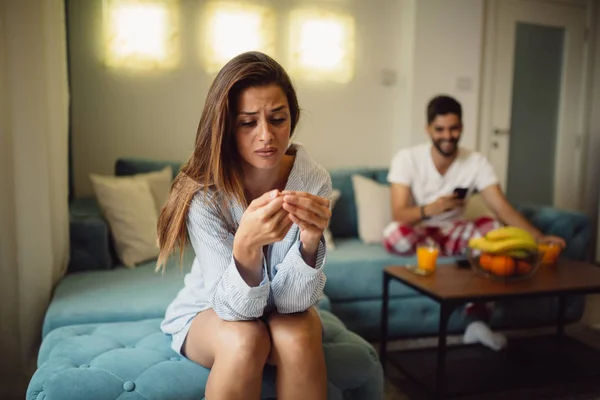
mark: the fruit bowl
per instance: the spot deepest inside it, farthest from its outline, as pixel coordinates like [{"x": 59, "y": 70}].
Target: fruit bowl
[{"x": 505, "y": 266}]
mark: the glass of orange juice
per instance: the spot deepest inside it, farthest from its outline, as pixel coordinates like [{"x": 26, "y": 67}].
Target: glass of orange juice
[
  {"x": 550, "y": 252},
  {"x": 427, "y": 254}
]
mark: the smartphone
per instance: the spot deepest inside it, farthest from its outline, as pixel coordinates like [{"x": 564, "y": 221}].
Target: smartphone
[
  {"x": 462, "y": 262},
  {"x": 460, "y": 193}
]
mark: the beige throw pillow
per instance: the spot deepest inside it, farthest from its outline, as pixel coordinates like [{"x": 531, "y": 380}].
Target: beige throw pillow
[
  {"x": 131, "y": 205},
  {"x": 160, "y": 185},
  {"x": 475, "y": 207},
  {"x": 373, "y": 208}
]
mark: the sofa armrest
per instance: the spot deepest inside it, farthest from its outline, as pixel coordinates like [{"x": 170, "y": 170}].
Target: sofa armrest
[
  {"x": 89, "y": 237},
  {"x": 574, "y": 227}
]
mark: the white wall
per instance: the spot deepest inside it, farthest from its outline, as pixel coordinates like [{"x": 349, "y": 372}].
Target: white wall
[
  {"x": 591, "y": 184},
  {"x": 424, "y": 46},
  {"x": 448, "y": 51},
  {"x": 155, "y": 115}
]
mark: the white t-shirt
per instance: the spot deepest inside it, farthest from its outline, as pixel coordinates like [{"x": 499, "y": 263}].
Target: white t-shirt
[{"x": 414, "y": 167}]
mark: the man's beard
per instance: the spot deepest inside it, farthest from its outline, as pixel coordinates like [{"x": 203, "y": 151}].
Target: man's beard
[{"x": 438, "y": 146}]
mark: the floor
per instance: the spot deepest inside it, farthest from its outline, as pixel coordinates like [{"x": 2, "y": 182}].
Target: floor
[{"x": 397, "y": 387}]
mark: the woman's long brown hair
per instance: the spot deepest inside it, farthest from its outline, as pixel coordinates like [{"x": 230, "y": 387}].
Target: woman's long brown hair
[{"x": 215, "y": 161}]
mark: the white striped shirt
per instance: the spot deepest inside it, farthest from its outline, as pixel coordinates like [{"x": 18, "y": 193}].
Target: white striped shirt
[{"x": 289, "y": 285}]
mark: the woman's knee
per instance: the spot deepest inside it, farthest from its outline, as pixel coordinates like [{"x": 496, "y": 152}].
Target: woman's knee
[
  {"x": 248, "y": 340},
  {"x": 295, "y": 333}
]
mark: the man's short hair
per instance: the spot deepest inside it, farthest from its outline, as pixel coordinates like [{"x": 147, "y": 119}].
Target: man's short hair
[{"x": 442, "y": 105}]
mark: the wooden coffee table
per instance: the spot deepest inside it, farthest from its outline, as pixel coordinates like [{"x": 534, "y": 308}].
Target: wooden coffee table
[{"x": 452, "y": 287}]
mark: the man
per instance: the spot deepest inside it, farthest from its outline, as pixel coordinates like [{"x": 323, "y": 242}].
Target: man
[{"x": 425, "y": 206}]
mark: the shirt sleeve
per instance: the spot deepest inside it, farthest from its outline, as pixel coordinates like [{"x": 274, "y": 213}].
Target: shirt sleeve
[
  {"x": 401, "y": 170},
  {"x": 229, "y": 295},
  {"x": 486, "y": 175},
  {"x": 297, "y": 286}
]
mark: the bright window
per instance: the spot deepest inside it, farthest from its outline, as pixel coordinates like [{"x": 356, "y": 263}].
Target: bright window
[
  {"x": 321, "y": 45},
  {"x": 141, "y": 34},
  {"x": 234, "y": 28}
]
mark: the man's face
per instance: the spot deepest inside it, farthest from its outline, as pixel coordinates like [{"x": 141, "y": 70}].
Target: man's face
[{"x": 445, "y": 133}]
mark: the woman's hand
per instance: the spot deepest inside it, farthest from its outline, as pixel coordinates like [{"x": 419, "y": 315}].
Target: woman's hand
[
  {"x": 553, "y": 239},
  {"x": 311, "y": 213},
  {"x": 264, "y": 221}
]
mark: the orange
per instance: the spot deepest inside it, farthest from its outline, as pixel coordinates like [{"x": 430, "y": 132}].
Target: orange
[
  {"x": 502, "y": 265},
  {"x": 486, "y": 261},
  {"x": 551, "y": 252},
  {"x": 523, "y": 267}
]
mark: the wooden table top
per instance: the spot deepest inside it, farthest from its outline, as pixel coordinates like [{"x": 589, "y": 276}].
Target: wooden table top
[{"x": 452, "y": 283}]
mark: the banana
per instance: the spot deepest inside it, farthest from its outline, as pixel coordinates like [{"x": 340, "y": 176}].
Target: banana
[
  {"x": 501, "y": 246},
  {"x": 518, "y": 253},
  {"x": 509, "y": 232}
]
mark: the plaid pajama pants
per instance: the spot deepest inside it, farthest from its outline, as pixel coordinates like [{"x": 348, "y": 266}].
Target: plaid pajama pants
[{"x": 452, "y": 237}]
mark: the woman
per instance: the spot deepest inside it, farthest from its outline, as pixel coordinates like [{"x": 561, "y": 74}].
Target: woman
[{"x": 254, "y": 208}]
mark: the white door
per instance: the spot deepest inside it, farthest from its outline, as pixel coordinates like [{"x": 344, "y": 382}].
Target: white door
[{"x": 532, "y": 121}]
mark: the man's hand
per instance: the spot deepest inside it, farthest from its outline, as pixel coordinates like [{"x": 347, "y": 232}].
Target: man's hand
[
  {"x": 553, "y": 239},
  {"x": 443, "y": 204}
]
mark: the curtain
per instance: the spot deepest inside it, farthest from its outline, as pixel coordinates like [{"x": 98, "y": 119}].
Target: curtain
[{"x": 34, "y": 237}]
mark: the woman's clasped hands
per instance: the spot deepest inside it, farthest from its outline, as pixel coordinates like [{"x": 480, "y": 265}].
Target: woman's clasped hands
[{"x": 269, "y": 218}]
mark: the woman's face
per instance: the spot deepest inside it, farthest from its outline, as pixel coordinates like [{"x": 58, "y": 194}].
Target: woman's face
[{"x": 262, "y": 126}]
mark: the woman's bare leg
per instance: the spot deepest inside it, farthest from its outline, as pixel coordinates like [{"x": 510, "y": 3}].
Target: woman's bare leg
[
  {"x": 297, "y": 351},
  {"x": 236, "y": 352}
]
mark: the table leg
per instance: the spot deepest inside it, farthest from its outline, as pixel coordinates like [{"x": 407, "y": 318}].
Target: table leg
[
  {"x": 383, "y": 334},
  {"x": 445, "y": 311},
  {"x": 560, "y": 323}
]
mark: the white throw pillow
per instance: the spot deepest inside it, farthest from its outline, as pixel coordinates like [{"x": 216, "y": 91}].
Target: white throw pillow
[
  {"x": 373, "y": 208},
  {"x": 335, "y": 195},
  {"x": 131, "y": 205}
]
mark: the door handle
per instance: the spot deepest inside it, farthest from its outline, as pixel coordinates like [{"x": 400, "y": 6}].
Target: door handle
[{"x": 501, "y": 131}]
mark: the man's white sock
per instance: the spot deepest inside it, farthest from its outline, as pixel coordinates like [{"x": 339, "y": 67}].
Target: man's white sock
[{"x": 478, "y": 332}]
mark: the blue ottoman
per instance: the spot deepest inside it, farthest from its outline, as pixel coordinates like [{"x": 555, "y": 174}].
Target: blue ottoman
[{"x": 133, "y": 360}]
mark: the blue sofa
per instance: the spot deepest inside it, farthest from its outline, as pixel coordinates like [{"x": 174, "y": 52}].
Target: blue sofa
[
  {"x": 99, "y": 301},
  {"x": 353, "y": 269}
]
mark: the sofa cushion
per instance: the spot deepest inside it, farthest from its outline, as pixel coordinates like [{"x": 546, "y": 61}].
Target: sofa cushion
[
  {"x": 119, "y": 294},
  {"x": 343, "y": 222},
  {"x": 354, "y": 271},
  {"x": 380, "y": 175},
  {"x": 134, "y": 166},
  {"x": 133, "y": 360},
  {"x": 130, "y": 209},
  {"x": 89, "y": 235},
  {"x": 373, "y": 208}
]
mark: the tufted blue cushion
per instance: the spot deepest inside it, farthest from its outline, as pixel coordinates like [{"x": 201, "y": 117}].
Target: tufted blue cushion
[{"x": 133, "y": 360}]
